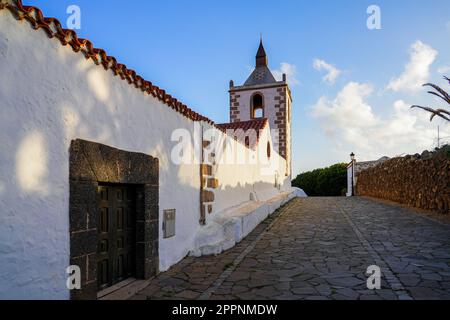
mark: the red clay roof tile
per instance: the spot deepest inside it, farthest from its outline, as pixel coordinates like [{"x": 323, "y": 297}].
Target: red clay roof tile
[
  {"x": 256, "y": 124},
  {"x": 241, "y": 130}
]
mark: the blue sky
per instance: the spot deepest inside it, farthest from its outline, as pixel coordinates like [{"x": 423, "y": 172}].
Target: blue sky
[{"x": 193, "y": 48}]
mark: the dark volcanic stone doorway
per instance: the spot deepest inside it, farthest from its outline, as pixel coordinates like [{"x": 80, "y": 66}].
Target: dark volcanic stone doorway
[{"x": 94, "y": 165}]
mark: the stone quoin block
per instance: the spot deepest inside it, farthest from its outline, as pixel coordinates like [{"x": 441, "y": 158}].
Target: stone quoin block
[
  {"x": 83, "y": 206},
  {"x": 207, "y": 196},
  {"x": 206, "y": 169},
  {"x": 213, "y": 183},
  {"x": 83, "y": 243},
  {"x": 151, "y": 200}
]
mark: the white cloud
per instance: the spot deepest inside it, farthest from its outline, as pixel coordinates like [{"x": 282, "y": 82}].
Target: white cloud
[
  {"x": 417, "y": 70},
  {"x": 348, "y": 109},
  {"x": 351, "y": 121},
  {"x": 291, "y": 73},
  {"x": 444, "y": 70},
  {"x": 332, "y": 72}
]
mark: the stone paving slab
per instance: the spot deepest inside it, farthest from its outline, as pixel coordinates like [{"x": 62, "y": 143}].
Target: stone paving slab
[{"x": 320, "y": 248}]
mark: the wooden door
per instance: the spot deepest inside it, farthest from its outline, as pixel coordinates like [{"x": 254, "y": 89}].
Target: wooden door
[{"x": 116, "y": 259}]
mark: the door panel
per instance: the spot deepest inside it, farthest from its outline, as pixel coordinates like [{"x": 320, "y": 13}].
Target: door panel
[{"x": 116, "y": 234}]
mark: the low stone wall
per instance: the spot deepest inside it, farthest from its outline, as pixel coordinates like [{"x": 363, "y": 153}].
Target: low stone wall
[{"x": 422, "y": 181}]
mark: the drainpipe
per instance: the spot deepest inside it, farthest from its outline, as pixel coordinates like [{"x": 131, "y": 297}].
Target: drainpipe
[{"x": 202, "y": 209}]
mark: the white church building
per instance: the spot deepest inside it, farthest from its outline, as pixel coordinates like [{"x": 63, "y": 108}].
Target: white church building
[{"x": 102, "y": 169}]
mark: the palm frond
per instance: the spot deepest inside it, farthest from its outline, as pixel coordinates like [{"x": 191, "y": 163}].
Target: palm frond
[
  {"x": 441, "y": 93},
  {"x": 439, "y": 112},
  {"x": 445, "y": 96},
  {"x": 438, "y": 95}
]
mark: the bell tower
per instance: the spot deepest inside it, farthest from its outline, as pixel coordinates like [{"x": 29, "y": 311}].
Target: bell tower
[{"x": 262, "y": 96}]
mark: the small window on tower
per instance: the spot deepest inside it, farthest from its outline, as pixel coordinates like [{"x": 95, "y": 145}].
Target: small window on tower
[
  {"x": 257, "y": 101},
  {"x": 257, "y": 106},
  {"x": 247, "y": 141}
]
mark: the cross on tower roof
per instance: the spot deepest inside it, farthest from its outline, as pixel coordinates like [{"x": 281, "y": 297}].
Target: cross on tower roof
[
  {"x": 261, "y": 56},
  {"x": 261, "y": 74}
]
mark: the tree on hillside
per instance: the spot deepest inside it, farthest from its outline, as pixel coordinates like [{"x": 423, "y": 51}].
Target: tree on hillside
[
  {"x": 444, "y": 114},
  {"x": 326, "y": 182}
]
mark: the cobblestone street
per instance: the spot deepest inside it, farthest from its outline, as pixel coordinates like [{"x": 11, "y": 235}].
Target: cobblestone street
[{"x": 320, "y": 248}]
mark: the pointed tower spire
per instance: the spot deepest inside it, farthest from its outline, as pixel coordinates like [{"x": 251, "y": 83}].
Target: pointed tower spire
[{"x": 261, "y": 57}]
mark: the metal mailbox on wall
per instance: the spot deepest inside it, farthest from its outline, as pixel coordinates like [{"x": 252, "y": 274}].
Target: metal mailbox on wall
[{"x": 169, "y": 223}]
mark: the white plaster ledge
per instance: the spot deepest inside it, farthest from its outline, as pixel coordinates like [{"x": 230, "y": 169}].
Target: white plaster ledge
[{"x": 232, "y": 225}]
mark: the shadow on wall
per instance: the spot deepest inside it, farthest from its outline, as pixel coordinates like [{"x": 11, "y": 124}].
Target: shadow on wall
[
  {"x": 56, "y": 106},
  {"x": 67, "y": 97}
]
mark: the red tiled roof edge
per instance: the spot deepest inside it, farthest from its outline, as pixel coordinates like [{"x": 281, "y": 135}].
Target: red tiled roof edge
[
  {"x": 256, "y": 124},
  {"x": 54, "y": 29}
]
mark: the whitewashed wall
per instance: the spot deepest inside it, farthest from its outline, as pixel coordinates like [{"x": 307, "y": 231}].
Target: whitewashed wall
[
  {"x": 50, "y": 95},
  {"x": 238, "y": 180},
  {"x": 350, "y": 172}
]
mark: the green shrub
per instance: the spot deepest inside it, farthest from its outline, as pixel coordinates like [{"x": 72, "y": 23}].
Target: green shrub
[{"x": 326, "y": 182}]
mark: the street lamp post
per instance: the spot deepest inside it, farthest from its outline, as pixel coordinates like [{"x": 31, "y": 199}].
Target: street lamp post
[{"x": 352, "y": 156}]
